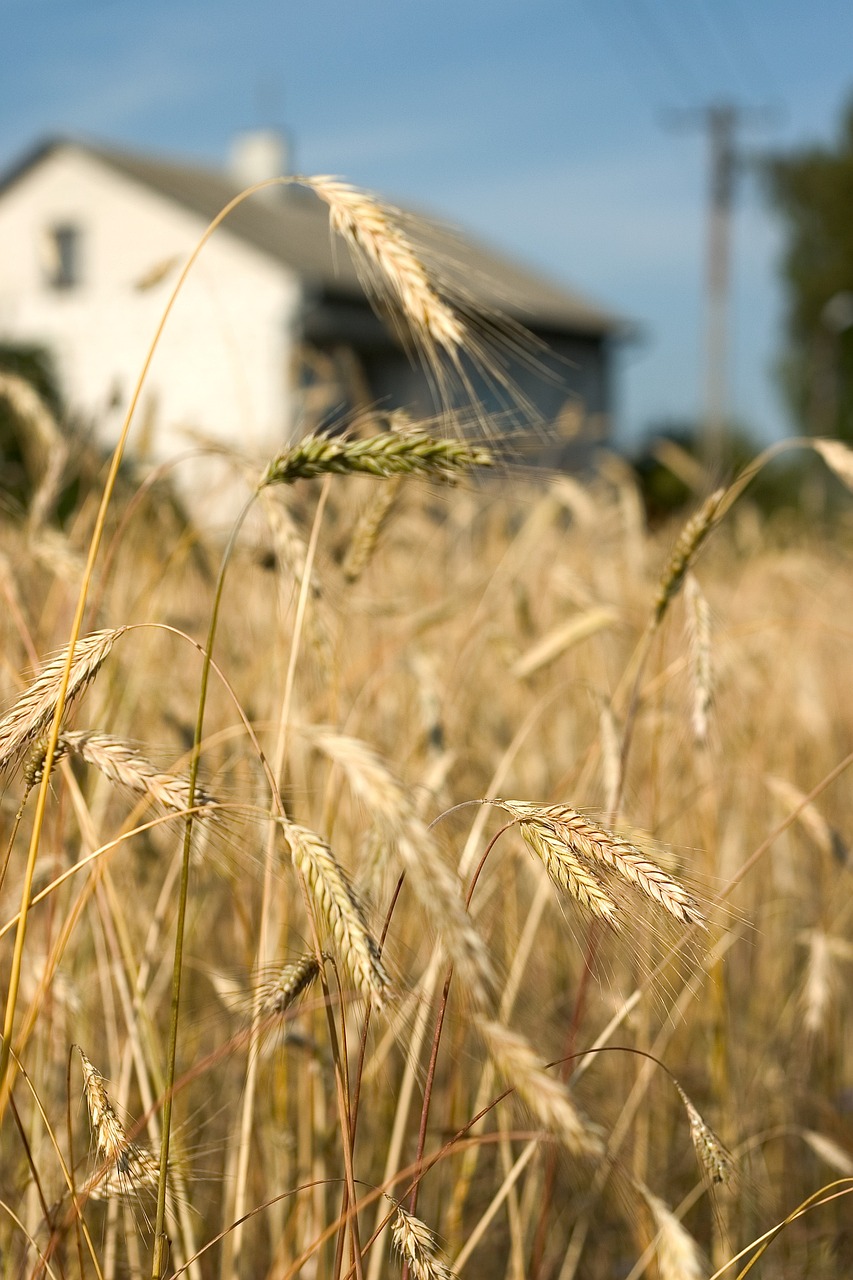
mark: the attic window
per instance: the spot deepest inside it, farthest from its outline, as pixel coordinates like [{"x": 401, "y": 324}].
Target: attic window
[{"x": 62, "y": 256}]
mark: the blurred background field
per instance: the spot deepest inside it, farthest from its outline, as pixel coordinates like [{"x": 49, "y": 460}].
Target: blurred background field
[{"x": 481, "y": 648}]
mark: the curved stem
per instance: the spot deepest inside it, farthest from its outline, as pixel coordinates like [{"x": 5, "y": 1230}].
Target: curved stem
[
  {"x": 160, "y": 1239},
  {"x": 76, "y": 626}
]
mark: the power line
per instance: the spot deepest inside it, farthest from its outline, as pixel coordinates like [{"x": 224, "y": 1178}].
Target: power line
[
  {"x": 715, "y": 36},
  {"x": 747, "y": 47},
  {"x": 654, "y": 35}
]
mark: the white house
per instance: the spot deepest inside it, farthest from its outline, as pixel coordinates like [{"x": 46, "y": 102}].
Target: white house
[{"x": 272, "y": 322}]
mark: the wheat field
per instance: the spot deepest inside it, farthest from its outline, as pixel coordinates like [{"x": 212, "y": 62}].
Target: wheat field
[{"x": 447, "y": 872}]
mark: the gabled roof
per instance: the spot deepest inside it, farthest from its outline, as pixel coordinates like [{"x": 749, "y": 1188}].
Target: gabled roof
[{"x": 294, "y": 230}]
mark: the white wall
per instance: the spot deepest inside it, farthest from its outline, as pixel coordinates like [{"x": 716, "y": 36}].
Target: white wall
[{"x": 222, "y": 367}]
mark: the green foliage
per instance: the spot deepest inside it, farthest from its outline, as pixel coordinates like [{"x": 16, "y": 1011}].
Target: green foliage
[
  {"x": 35, "y": 365},
  {"x": 785, "y": 484},
  {"x": 812, "y": 189}
]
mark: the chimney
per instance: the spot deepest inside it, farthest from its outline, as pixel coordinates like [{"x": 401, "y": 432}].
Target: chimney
[{"x": 259, "y": 154}]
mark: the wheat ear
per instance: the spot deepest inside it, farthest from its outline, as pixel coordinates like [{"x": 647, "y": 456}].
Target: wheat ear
[
  {"x": 699, "y": 640},
  {"x": 684, "y": 552},
  {"x": 548, "y": 1099},
  {"x": 569, "y": 871},
  {"x": 389, "y": 262},
  {"x": 121, "y": 763},
  {"x": 678, "y": 1254},
  {"x": 417, "y": 1246},
  {"x": 128, "y": 1168},
  {"x": 368, "y": 530},
  {"x": 341, "y": 910},
  {"x": 34, "y": 709},
  {"x": 284, "y": 987},
  {"x": 716, "y": 1160},
  {"x": 598, "y": 845},
  {"x": 434, "y": 883},
  {"x": 390, "y": 453}
]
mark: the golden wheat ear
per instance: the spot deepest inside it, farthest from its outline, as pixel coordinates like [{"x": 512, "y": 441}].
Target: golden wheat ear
[
  {"x": 599, "y": 848},
  {"x": 125, "y": 766},
  {"x": 33, "y": 711},
  {"x": 546, "y": 1097},
  {"x": 127, "y": 1169},
  {"x": 390, "y": 265},
  {"x": 417, "y": 1247},
  {"x": 339, "y": 908}
]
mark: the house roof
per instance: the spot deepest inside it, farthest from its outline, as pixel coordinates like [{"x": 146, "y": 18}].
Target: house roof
[{"x": 294, "y": 230}]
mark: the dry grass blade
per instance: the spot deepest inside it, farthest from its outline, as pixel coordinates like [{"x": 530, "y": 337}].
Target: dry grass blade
[
  {"x": 547, "y": 1098},
  {"x": 417, "y": 1246},
  {"x": 598, "y": 845},
  {"x": 574, "y": 874},
  {"x": 121, "y": 763},
  {"x": 390, "y": 264},
  {"x": 685, "y": 551},
  {"x": 340, "y": 909},
  {"x": 34, "y": 710},
  {"x": 838, "y": 458}
]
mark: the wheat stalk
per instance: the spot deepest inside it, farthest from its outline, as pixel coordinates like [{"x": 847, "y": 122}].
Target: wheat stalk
[
  {"x": 341, "y": 910},
  {"x": 34, "y": 709}
]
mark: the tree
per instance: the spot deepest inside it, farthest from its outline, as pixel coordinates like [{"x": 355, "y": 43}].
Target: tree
[{"x": 813, "y": 191}]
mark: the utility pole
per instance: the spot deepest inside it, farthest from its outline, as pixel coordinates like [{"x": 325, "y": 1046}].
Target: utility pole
[{"x": 721, "y": 121}]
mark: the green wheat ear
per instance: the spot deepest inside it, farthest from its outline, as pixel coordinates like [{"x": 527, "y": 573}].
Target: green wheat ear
[{"x": 390, "y": 453}]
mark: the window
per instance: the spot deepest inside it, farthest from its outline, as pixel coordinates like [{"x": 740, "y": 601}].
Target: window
[{"x": 62, "y": 252}]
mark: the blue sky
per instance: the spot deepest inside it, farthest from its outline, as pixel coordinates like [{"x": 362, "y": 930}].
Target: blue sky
[{"x": 538, "y": 124}]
